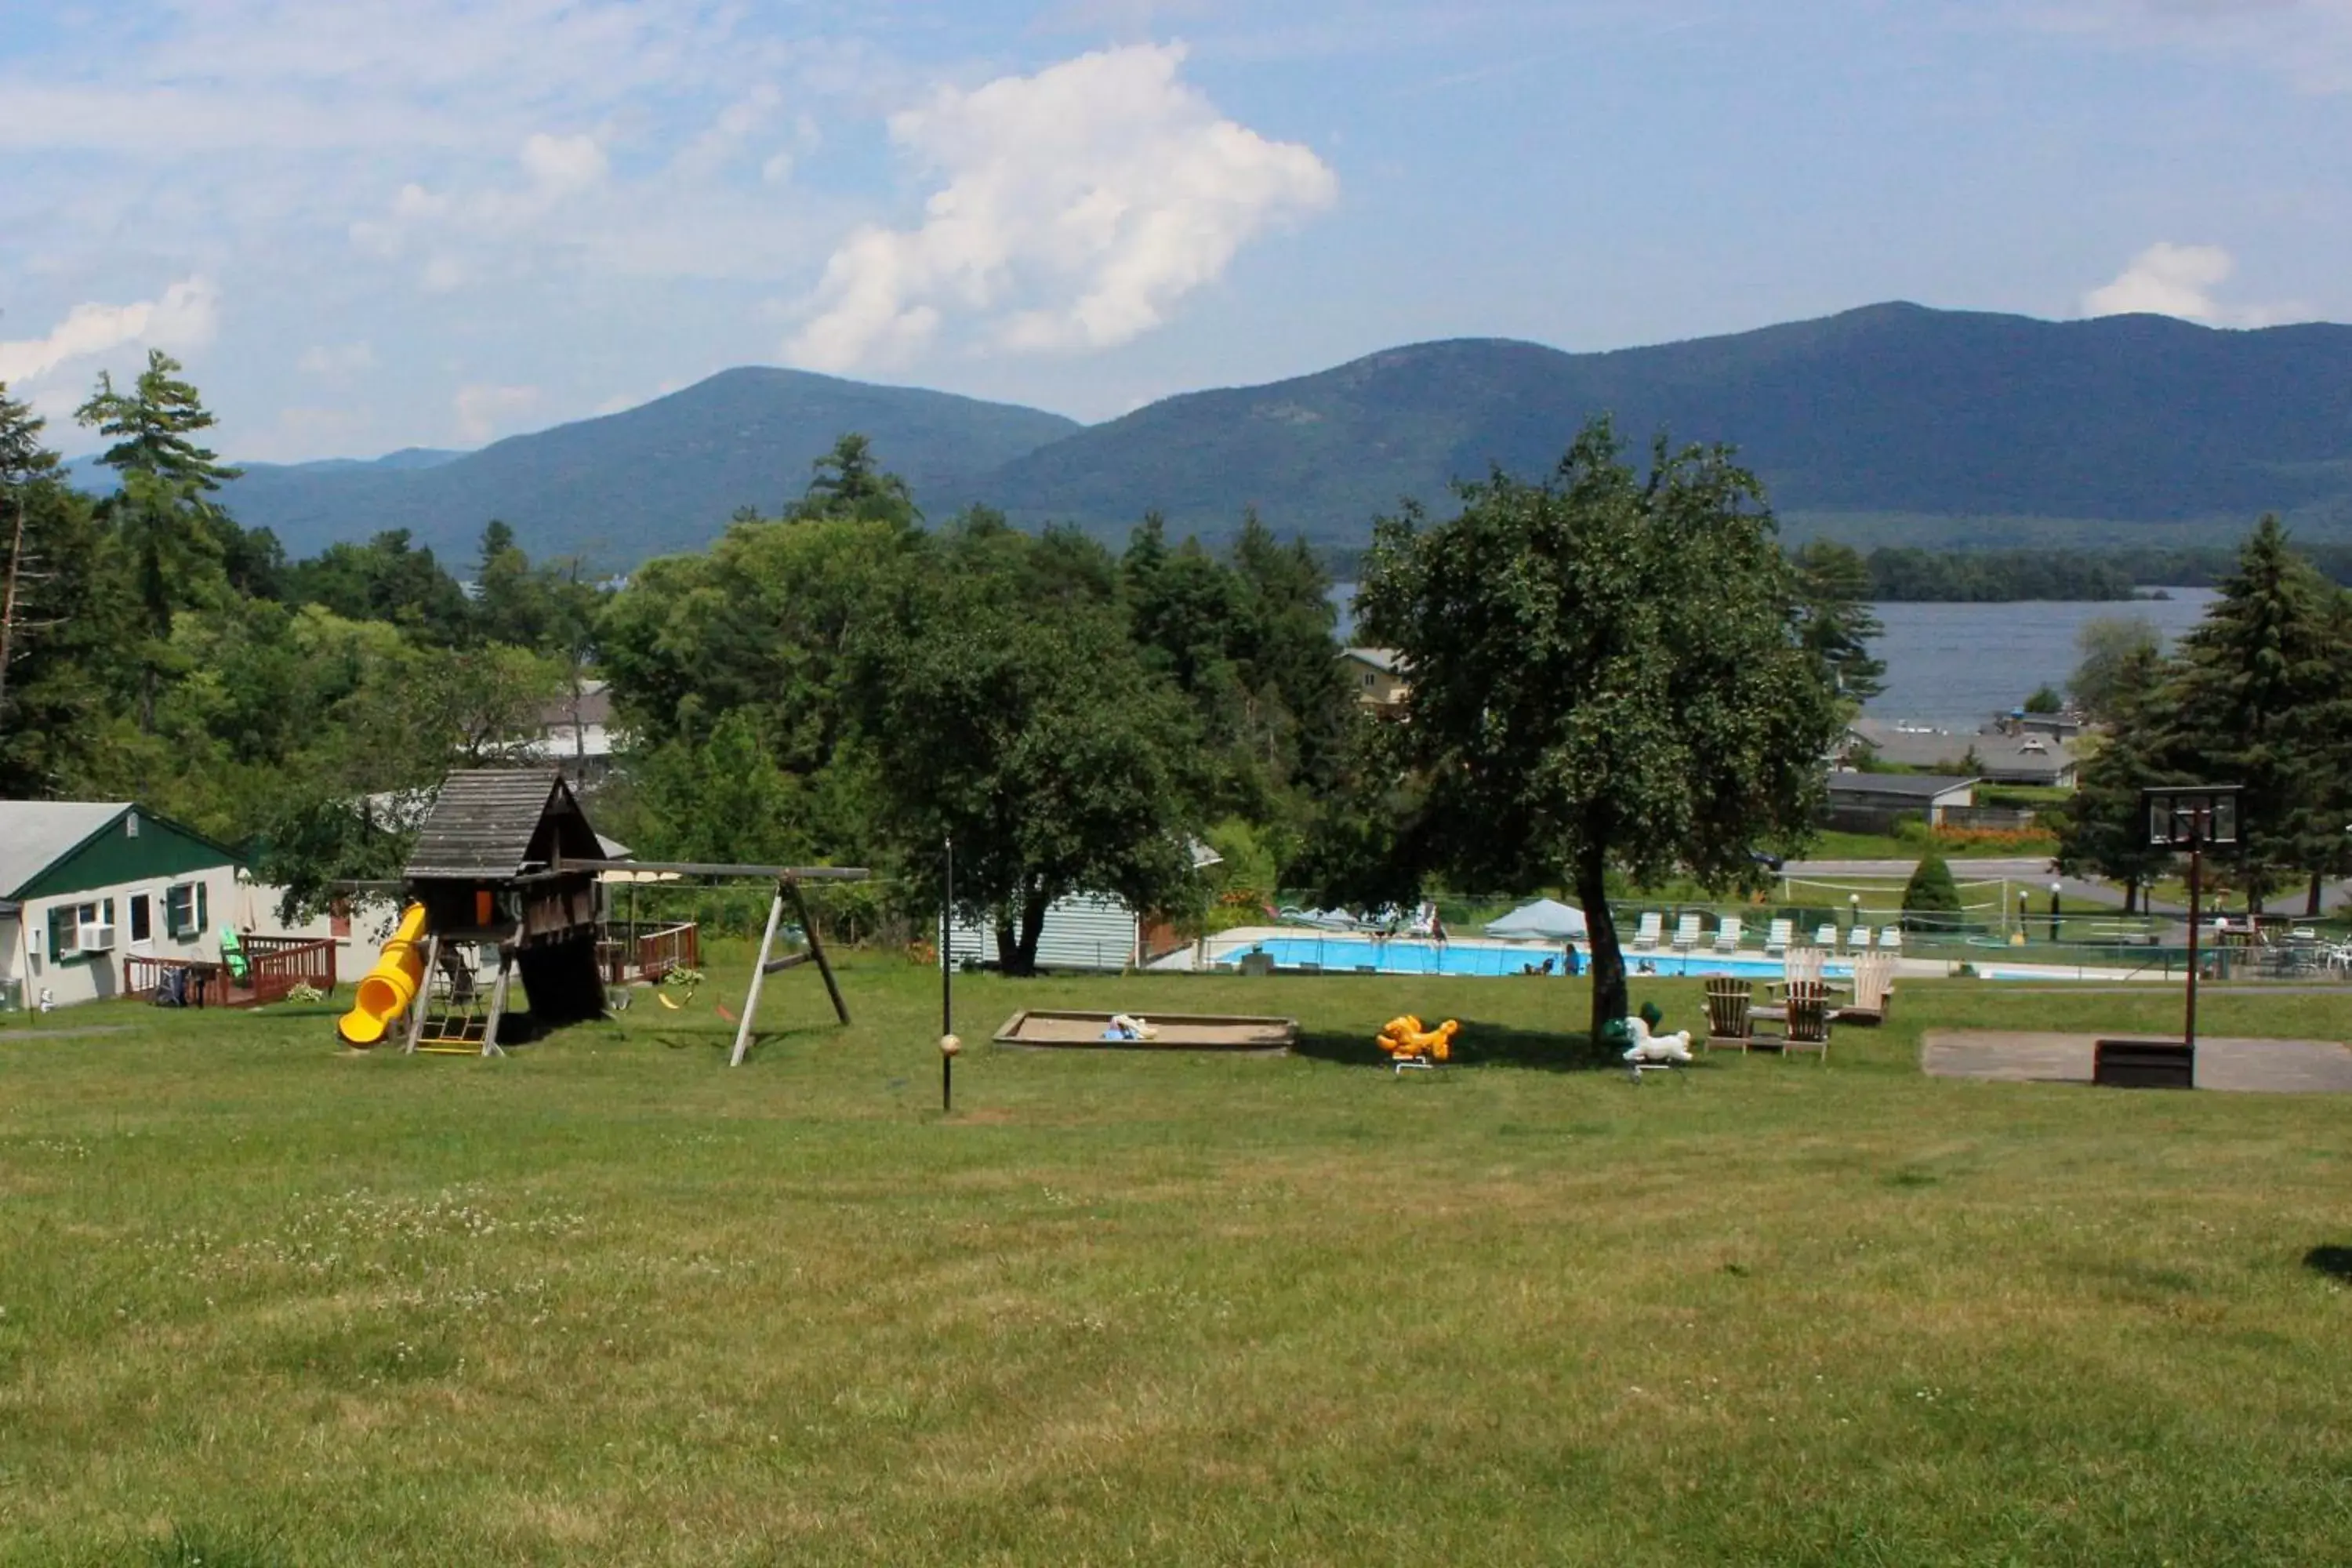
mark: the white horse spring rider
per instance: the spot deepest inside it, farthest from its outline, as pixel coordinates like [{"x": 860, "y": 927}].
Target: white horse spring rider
[{"x": 1655, "y": 1050}]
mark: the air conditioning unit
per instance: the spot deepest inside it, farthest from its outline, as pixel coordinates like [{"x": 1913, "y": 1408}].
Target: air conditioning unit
[{"x": 94, "y": 938}]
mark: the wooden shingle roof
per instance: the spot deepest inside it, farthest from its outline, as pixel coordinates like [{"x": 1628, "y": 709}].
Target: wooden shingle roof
[{"x": 498, "y": 823}]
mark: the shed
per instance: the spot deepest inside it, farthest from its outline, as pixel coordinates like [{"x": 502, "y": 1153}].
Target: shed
[
  {"x": 1084, "y": 930},
  {"x": 86, "y": 885},
  {"x": 1869, "y": 803}
]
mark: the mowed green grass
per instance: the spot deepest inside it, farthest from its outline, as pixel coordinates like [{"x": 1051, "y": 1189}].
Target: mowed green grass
[{"x": 607, "y": 1301}]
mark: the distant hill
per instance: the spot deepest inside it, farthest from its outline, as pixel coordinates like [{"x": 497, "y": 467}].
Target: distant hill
[
  {"x": 1890, "y": 414},
  {"x": 1894, "y": 423},
  {"x": 656, "y": 479}
]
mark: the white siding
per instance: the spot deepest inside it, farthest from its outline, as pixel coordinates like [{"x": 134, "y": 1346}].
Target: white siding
[
  {"x": 1082, "y": 932},
  {"x": 100, "y": 974}
]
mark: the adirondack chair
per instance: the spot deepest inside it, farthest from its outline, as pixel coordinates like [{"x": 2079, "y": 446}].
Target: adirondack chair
[
  {"x": 1874, "y": 989},
  {"x": 1779, "y": 935},
  {"x": 1646, "y": 934},
  {"x": 1728, "y": 1020},
  {"x": 1808, "y": 1020},
  {"x": 1802, "y": 965},
  {"x": 1685, "y": 933},
  {"x": 1727, "y": 933}
]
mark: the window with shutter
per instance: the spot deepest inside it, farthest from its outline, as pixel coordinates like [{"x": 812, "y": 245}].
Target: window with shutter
[{"x": 204, "y": 915}]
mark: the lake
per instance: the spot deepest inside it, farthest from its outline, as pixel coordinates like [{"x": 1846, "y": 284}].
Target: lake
[{"x": 1956, "y": 666}]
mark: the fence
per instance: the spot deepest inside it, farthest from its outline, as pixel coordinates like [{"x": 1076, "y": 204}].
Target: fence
[
  {"x": 631, "y": 950},
  {"x": 273, "y": 966}
]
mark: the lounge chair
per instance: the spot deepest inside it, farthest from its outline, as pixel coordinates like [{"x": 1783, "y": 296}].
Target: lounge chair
[
  {"x": 1857, "y": 939},
  {"x": 1646, "y": 934},
  {"x": 1727, "y": 933},
  {"x": 1685, "y": 933},
  {"x": 1728, "y": 1023},
  {"x": 1808, "y": 1020},
  {"x": 1826, "y": 937},
  {"x": 1890, "y": 939},
  {"x": 1779, "y": 935},
  {"x": 1874, "y": 989}
]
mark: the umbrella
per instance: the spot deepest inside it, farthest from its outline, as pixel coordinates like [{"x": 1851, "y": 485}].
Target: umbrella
[{"x": 1546, "y": 919}]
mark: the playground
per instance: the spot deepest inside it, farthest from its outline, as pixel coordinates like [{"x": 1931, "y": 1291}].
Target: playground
[{"x": 264, "y": 1300}]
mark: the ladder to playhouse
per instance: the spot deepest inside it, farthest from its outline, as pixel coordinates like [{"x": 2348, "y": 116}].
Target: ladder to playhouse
[{"x": 463, "y": 1025}]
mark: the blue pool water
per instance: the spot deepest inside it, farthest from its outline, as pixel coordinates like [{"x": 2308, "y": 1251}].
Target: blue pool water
[{"x": 1406, "y": 955}]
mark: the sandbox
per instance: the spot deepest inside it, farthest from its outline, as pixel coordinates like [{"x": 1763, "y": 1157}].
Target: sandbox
[{"x": 1173, "y": 1031}]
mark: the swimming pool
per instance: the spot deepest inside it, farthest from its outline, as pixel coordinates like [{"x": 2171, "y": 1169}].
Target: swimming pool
[{"x": 1411, "y": 955}]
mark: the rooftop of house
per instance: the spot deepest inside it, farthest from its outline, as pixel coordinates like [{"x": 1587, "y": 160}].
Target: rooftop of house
[
  {"x": 1911, "y": 748},
  {"x": 35, "y": 835},
  {"x": 1908, "y": 786},
  {"x": 595, "y": 707},
  {"x": 1380, "y": 659},
  {"x": 486, "y": 824}
]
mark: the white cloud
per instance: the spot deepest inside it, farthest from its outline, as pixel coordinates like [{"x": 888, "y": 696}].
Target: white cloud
[
  {"x": 1078, "y": 206},
  {"x": 336, "y": 359},
  {"x": 483, "y": 411},
  {"x": 561, "y": 164},
  {"x": 184, "y": 318},
  {"x": 2309, "y": 42},
  {"x": 2168, "y": 279}
]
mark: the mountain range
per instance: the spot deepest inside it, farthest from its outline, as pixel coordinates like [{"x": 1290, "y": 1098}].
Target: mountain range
[{"x": 1893, "y": 423}]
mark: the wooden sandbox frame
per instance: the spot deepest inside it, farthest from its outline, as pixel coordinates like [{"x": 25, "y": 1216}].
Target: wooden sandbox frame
[{"x": 1047, "y": 1029}]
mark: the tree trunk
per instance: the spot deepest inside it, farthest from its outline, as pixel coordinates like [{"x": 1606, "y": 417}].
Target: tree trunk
[
  {"x": 2131, "y": 895},
  {"x": 1008, "y": 945},
  {"x": 1609, "y": 992},
  {"x": 1032, "y": 926}
]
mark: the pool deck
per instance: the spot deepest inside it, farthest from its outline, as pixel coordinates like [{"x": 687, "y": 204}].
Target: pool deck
[{"x": 1223, "y": 948}]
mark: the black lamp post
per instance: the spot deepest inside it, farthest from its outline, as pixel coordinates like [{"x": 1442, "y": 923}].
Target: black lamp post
[
  {"x": 2054, "y": 911},
  {"x": 2192, "y": 818}
]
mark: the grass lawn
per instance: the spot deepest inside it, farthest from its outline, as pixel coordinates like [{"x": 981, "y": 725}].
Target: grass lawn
[{"x": 264, "y": 1301}]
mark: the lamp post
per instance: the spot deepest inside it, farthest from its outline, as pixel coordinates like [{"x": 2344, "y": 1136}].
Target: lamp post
[
  {"x": 2023, "y": 895},
  {"x": 2190, "y": 818},
  {"x": 948, "y": 1044},
  {"x": 2054, "y": 911},
  {"x": 1852, "y": 915}
]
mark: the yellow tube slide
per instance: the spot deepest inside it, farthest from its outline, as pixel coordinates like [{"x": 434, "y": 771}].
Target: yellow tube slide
[{"x": 390, "y": 985}]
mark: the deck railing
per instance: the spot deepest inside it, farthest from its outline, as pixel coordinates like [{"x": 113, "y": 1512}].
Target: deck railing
[
  {"x": 628, "y": 952},
  {"x": 274, "y": 965}
]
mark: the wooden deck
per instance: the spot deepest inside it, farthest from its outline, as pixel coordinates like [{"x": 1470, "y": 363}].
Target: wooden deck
[
  {"x": 2256, "y": 1067},
  {"x": 1177, "y": 1032}
]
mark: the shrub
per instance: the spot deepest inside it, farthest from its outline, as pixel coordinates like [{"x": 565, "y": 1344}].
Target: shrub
[{"x": 1931, "y": 901}]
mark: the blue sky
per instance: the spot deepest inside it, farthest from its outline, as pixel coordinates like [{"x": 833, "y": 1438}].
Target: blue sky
[{"x": 382, "y": 223}]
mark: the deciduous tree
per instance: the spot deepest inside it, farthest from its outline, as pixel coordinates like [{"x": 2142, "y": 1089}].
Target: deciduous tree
[{"x": 1609, "y": 673}]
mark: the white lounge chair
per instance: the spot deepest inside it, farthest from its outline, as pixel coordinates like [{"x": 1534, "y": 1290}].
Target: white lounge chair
[
  {"x": 1646, "y": 934},
  {"x": 1779, "y": 935},
  {"x": 1858, "y": 939},
  {"x": 1826, "y": 937},
  {"x": 1685, "y": 933},
  {"x": 1890, "y": 939},
  {"x": 1726, "y": 933}
]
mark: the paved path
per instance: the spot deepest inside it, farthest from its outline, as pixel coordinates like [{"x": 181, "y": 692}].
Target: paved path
[{"x": 2261, "y": 1066}]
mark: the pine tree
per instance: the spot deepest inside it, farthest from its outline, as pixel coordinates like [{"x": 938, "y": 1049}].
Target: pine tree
[
  {"x": 1838, "y": 625},
  {"x": 1931, "y": 900},
  {"x": 25, "y": 461},
  {"x": 2105, "y": 831},
  {"x": 181, "y": 544},
  {"x": 2252, "y": 707}
]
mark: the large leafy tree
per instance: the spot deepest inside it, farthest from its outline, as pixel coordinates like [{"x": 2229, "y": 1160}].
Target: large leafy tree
[
  {"x": 1608, "y": 673},
  {"x": 1043, "y": 744}
]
